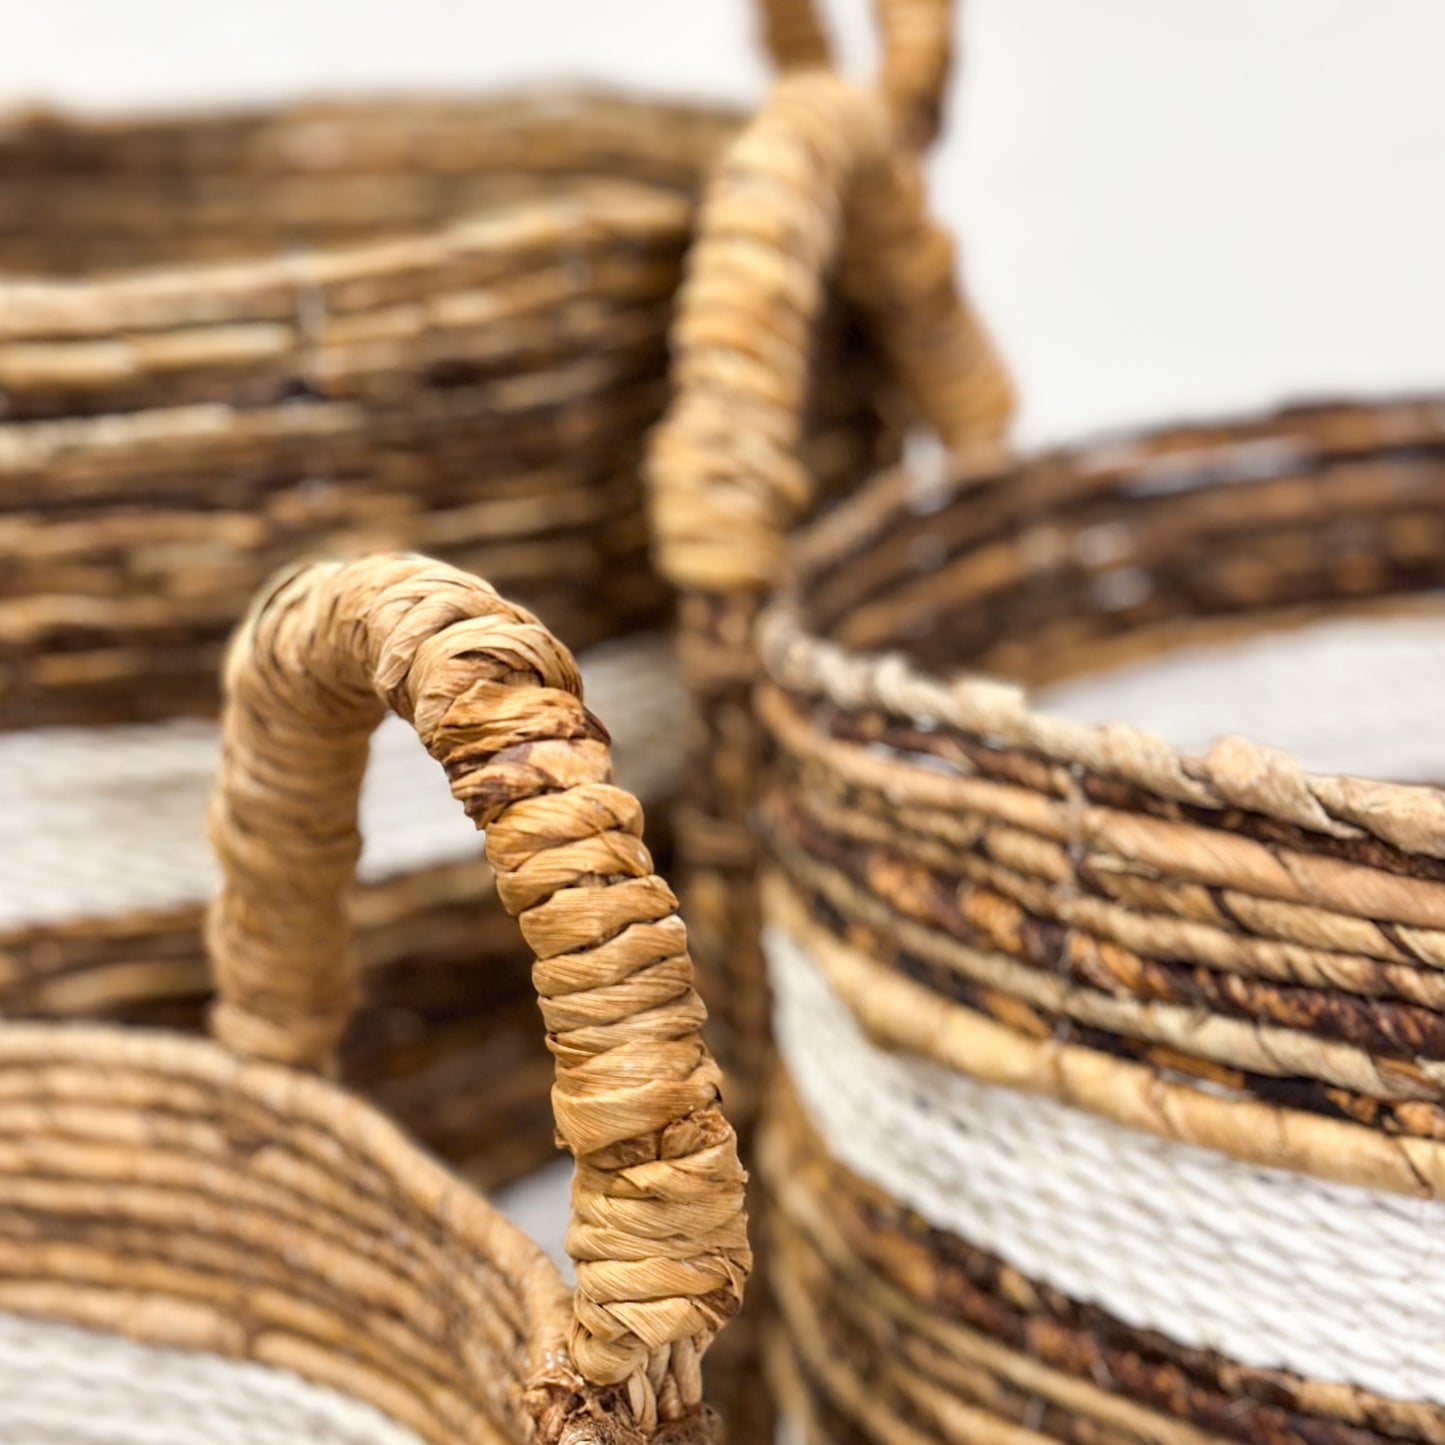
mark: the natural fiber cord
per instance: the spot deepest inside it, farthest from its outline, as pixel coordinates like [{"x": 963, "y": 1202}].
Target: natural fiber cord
[{"x": 179, "y": 1192}]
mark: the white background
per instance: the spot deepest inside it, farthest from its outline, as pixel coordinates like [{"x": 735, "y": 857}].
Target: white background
[{"x": 1170, "y": 207}]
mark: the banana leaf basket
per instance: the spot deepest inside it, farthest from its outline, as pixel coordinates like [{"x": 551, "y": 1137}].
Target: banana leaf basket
[
  {"x": 228, "y": 342},
  {"x": 205, "y": 1240},
  {"x": 1102, "y": 902}
]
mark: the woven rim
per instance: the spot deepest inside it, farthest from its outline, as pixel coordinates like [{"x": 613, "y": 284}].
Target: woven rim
[
  {"x": 606, "y": 162},
  {"x": 1236, "y": 773}
]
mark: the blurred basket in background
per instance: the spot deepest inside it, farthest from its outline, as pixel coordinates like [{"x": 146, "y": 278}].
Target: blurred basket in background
[
  {"x": 281, "y": 1260},
  {"x": 226, "y": 342}
]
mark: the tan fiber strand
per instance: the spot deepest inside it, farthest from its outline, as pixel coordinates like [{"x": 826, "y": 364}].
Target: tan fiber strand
[
  {"x": 212, "y": 1197},
  {"x": 494, "y": 699},
  {"x": 903, "y": 1014},
  {"x": 1239, "y": 1043}
]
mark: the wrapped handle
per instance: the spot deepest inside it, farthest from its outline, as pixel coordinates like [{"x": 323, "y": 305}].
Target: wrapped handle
[
  {"x": 816, "y": 179},
  {"x": 917, "y": 43},
  {"x": 818, "y": 182},
  {"x": 658, "y": 1230}
]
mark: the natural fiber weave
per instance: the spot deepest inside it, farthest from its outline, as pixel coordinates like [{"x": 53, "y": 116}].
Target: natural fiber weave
[
  {"x": 177, "y": 1193},
  {"x": 101, "y": 907},
  {"x": 815, "y": 183},
  {"x": 1121, "y": 1069},
  {"x": 323, "y": 329},
  {"x": 229, "y": 342},
  {"x": 1271, "y": 1268}
]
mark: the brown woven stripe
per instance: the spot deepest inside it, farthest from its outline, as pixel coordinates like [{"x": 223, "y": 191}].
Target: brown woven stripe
[
  {"x": 902, "y": 1013},
  {"x": 877, "y": 1256}
]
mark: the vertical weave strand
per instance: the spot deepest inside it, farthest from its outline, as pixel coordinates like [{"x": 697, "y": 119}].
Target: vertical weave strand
[{"x": 658, "y": 1232}]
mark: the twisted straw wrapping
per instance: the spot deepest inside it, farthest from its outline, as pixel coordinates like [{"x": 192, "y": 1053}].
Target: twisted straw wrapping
[
  {"x": 658, "y": 1232},
  {"x": 816, "y": 183},
  {"x": 916, "y": 38},
  {"x": 814, "y": 180}
]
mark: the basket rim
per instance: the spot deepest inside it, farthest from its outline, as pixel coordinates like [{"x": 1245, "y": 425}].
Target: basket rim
[
  {"x": 326, "y": 105},
  {"x": 166, "y": 293},
  {"x": 1235, "y": 772},
  {"x": 291, "y": 1101},
  {"x": 293, "y": 1095}
]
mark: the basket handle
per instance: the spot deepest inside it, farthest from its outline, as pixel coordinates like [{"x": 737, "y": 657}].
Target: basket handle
[
  {"x": 658, "y": 1231},
  {"x": 816, "y": 175},
  {"x": 916, "y": 38}
]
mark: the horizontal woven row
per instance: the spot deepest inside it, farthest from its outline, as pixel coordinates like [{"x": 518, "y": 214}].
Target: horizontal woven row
[
  {"x": 441, "y": 328},
  {"x": 1112, "y": 1109},
  {"x": 1227, "y": 916},
  {"x": 1285, "y": 1276},
  {"x": 265, "y": 1217},
  {"x": 907, "y": 1333}
]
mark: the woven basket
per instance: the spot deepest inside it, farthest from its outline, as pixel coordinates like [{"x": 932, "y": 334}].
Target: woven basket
[
  {"x": 819, "y": 183},
  {"x": 205, "y": 1197},
  {"x": 1113, "y": 1062},
  {"x": 229, "y": 342},
  {"x": 1114, "y": 1104}
]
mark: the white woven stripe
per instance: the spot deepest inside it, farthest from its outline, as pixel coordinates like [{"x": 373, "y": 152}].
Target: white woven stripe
[
  {"x": 1271, "y": 1268},
  {"x": 65, "y": 1386},
  {"x": 100, "y": 822},
  {"x": 1361, "y": 696}
]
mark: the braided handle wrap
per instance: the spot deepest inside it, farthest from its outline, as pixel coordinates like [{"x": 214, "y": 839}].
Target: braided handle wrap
[
  {"x": 915, "y": 36},
  {"x": 814, "y": 175},
  {"x": 658, "y": 1231}
]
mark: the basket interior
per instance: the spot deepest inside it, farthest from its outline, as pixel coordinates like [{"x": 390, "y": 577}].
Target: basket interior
[
  {"x": 82, "y": 197},
  {"x": 1279, "y": 580}
]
